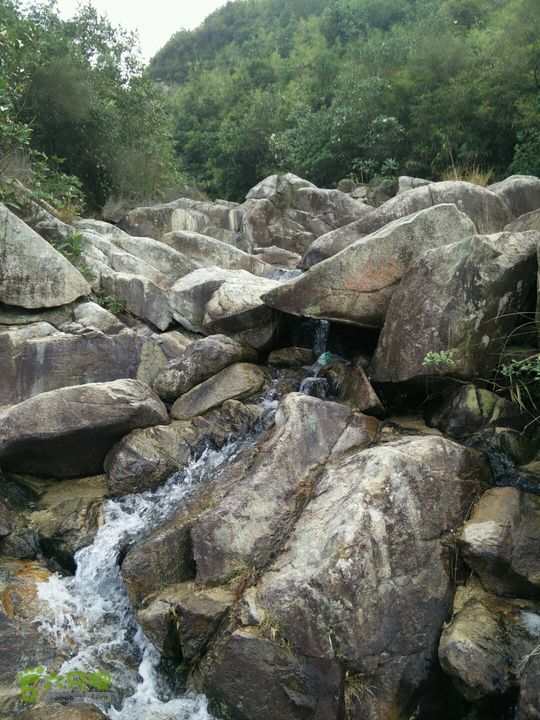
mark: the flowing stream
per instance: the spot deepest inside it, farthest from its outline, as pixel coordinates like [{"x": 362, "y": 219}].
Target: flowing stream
[{"x": 89, "y": 616}]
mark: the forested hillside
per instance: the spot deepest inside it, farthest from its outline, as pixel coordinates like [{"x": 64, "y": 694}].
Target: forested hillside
[{"x": 364, "y": 87}]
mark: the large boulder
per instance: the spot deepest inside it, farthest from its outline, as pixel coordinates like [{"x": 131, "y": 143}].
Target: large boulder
[
  {"x": 487, "y": 641},
  {"x": 140, "y": 296},
  {"x": 487, "y": 210},
  {"x": 219, "y": 220},
  {"x": 529, "y": 221},
  {"x": 213, "y": 300},
  {"x": 238, "y": 531},
  {"x": 235, "y": 382},
  {"x": 32, "y": 273},
  {"x": 38, "y": 358},
  {"x": 275, "y": 476},
  {"x": 206, "y": 251},
  {"x": 501, "y": 542},
  {"x": 360, "y": 591},
  {"x": 356, "y": 285},
  {"x": 288, "y": 212},
  {"x": 68, "y": 432},
  {"x": 202, "y": 359},
  {"x": 460, "y": 300},
  {"x": 520, "y": 192}
]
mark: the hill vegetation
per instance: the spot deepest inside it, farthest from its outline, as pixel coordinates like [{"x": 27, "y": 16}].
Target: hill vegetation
[
  {"x": 362, "y": 87},
  {"x": 323, "y": 88}
]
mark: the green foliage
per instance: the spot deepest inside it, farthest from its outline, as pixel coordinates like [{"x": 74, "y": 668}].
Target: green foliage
[
  {"x": 368, "y": 88},
  {"x": 112, "y": 303},
  {"x": 523, "y": 381},
  {"x": 76, "y": 90},
  {"x": 438, "y": 360}
]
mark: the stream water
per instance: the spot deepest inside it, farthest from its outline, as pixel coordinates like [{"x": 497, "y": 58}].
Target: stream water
[{"x": 89, "y": 617}]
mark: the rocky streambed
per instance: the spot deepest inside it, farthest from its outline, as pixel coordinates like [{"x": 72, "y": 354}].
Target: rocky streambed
[{"x": 286, "y": 479}]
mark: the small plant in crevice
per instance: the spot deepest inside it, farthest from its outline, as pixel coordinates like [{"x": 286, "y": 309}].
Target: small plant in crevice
[
  {"x": 439, "y": 360},
  {"x": 112, "y": 303},
  {"x": 522, "y": 378},
  {"x": 356, "y": 690}
]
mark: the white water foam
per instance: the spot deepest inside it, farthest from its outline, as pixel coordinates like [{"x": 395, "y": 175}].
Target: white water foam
[{"x": 89, "y": 615}]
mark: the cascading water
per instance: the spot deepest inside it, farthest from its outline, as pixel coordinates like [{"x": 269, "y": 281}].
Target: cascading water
[
  {"x": 315, "y": 385},
  {"x": 89, "y": 616}
]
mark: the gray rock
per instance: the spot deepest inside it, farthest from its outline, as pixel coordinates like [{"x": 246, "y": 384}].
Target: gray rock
[
  {"x": 459, "y": 299},
  {"x": 56, "y": 711},
  {"x": 237, "y": 531},
  {"x": 501, "y": 542},
  {"x": 33, "y": 274},
  {"x": 189, "y": 296},
  {"x": 487, "y": 210},
  {"x": 277, "y": 256},
  {"x": 364, "y": 577},
  {"x": 208, "y": 251},
  {"x": 520, "y": 192},
  {"x": 141, "y": 296},
  {"x": 201, "y": 359},
  {"x": 37, "y": 359},
  {"x": 405, "y": 182},
  {"x": 530, "y": 221},
  {"x": 68, "y": 432},
  {"x": 356, "y": 285},
  {"x": 236, "y": 382},
  {"x": 359, "y": 394}
]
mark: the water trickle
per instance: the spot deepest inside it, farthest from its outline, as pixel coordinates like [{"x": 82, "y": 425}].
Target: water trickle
[
  {"x": 89, "y": 616},
  {"x": 320, "y": 340}
]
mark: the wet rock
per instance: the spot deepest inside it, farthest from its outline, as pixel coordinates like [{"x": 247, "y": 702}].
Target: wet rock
[
  {"x": 33, "y": 274},
  {"x": 68, "y": 516},
  {"x": 501, "y": 542},
  {"x": 359, "y": 394},
  {"x": 68, "y": 432},
  {"x": 291, "y": 357},
  {"x": 182, "y": 619},
  {"x": 22, "y": 643},
  {"x": 238, "y": 531},
  {"x": 488, "y": 212},
  {"x": 484, "y": 645},
  {"x": 528, "y": 706},
  {"x": 357, "y": 284},
  {"x": 236, "y": 382},
  {"x": 520, "y": 192},
  {"x": 208, "y": 251},
  {"x": 144, "y": 459},
  {"x": 201, "y": 360},
  {"x": 460, "y": 300}
]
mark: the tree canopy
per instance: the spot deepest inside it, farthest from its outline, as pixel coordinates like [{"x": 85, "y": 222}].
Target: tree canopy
[{"x": 332, "y": 88}]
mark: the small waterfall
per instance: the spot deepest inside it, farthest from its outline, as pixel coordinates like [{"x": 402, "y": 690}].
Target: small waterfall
[
  {"x": 89, "y": 615},
  {"x": 320, "y": 340}
]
